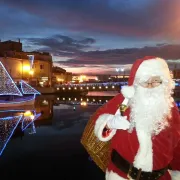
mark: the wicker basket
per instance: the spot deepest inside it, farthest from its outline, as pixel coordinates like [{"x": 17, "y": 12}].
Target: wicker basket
[{"x": 98, "y": 150}]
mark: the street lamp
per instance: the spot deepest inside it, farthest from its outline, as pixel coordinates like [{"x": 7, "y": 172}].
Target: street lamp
[
  {"x": 122, "y": 70},
  {"x": 117, "y": 70}
]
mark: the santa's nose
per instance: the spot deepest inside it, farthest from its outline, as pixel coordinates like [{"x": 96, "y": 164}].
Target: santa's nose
[{"x": 149, "y": 85}]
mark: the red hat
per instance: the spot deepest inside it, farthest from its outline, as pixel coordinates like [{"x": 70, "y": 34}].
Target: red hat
[{"x": 145, "y": 68}]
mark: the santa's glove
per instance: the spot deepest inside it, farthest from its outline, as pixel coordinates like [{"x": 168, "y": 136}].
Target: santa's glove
[{"x": 118, "y": 122}]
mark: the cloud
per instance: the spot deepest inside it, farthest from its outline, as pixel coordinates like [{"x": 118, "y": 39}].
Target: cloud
[
  {"x": 105, "y": 62},
  {"x": 73, "y": 50},
  {"x": 62, "y": 46},
  {"x": 151, "y": 19},
  {"x": 125, "y": 56}
]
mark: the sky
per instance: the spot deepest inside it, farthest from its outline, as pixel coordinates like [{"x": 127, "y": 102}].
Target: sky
[{"x": 94, "y": 36}]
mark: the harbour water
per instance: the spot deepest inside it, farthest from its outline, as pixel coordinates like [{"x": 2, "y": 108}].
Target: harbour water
[{"x": 44, "y": 141}]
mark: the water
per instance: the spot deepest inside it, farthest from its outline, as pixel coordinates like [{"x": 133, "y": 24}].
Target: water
[
  {"x": 44, "y": 141},
  {"x": 49, "y": 146}
]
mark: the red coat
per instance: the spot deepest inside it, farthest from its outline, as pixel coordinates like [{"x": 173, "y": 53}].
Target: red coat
[{"x": 166, "y": 145}]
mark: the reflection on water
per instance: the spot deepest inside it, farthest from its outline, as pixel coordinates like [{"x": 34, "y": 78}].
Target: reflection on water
[
  {"x": 11, "y": 119},
  {"x": 7, "y": 127},
  {"x": 49, "y": 110}
]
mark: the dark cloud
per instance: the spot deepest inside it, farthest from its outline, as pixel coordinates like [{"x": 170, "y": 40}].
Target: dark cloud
[
  {"x": 62, "y": 46},
  {"x": 149, "y": 19},
  {"x": 125, "y": 56},
  {"x": 55, "y": 26}
]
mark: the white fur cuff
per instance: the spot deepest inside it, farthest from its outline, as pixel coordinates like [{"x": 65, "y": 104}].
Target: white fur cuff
[
  {"x": 175, "y": 175},
  {"x": 113, "y": 176},
  {"x": 127, "y": 91},
  {"x": 100, "y": 125}
]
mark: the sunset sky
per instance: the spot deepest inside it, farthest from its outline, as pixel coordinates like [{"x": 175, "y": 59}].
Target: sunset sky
[{"x": 94, "y": 36}]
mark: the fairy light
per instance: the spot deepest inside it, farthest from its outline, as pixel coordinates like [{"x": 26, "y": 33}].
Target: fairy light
[
  {"x": 7, "y": 127},
  {"x": 31, "y": 59},
  {"x": 27, "y": 89},
  {"x": 7, "y": 85},
  {"x": 28, "y": 120}
]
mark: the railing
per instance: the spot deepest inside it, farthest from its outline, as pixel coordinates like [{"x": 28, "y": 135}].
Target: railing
[{"x": 108, "y": 86}]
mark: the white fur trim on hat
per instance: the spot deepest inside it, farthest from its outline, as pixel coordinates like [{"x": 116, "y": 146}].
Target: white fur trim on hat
[
  {"x": 128, "y": 91},
  {"x": 153, "y": 67}
]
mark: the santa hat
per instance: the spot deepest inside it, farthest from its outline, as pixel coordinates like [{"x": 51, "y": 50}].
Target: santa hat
[{"x": 146, "y": 67}]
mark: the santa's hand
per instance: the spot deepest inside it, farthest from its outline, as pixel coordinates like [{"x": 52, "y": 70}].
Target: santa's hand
[{"x": 118, "y": 122}]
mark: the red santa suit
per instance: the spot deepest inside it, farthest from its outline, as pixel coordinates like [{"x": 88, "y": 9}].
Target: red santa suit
[{"x": 158, "y": 152}]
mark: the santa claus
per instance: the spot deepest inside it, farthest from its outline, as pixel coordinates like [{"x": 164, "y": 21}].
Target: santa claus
[{"x": 145, "y": 139}]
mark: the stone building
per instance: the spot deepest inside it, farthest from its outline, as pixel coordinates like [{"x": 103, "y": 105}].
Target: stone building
[
  {"x": 60, "y": 75},
  {"x": 36, "y": 70}
]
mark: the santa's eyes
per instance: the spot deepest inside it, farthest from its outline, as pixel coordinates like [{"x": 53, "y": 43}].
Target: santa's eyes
[{"x": 155, "y": 83}]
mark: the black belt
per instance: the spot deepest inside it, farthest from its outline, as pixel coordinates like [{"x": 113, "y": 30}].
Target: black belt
[{"x": 132, "y": 171}]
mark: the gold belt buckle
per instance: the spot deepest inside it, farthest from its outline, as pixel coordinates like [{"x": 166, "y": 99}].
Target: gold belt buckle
[
  {"x": 122, "y": 108},
  {"x": 129, "y": 172}
]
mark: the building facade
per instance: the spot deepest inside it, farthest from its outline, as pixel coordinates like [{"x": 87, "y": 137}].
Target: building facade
[
  {"x": 36, "y": 70},
  {"x": 10, "y": 46},
  {"x": 60, "y": 75}
]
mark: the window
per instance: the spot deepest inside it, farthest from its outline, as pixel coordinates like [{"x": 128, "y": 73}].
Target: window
[{"x": 41, "y": 66}]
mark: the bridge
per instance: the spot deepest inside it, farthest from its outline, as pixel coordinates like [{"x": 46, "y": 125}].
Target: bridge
[
  {"x": 105, "y": 86},
  {"x": 84, "y": 88}
]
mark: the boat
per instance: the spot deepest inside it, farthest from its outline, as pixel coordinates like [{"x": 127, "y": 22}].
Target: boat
[
  {"x": 10, "y": 120},
  {"x": 14, "y": 95}
]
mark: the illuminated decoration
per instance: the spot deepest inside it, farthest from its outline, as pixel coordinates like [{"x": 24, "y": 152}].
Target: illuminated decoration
[
  {"x": 83, "y": 103},
  {"x": 26, "y": 68},
  {"x": 27, "y": 89},
  {"x": 31, "y": 72},
  {"x": 28, "y": 119},
  {"x": 31, "y": 59},
  {"x": 7, "y": 85},
  {"x": 7, "y": 127},
  {"x": 33, "y": 130},
  {"x": 82, "y": 78}
]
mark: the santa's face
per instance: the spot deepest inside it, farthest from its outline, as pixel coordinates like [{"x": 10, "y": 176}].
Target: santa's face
[
  {"x": 152, "y": 82},
  {"x": 151, "y": 105}
]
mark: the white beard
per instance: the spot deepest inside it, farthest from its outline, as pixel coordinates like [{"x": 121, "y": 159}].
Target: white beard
[{"x": 150, "y": 109}]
